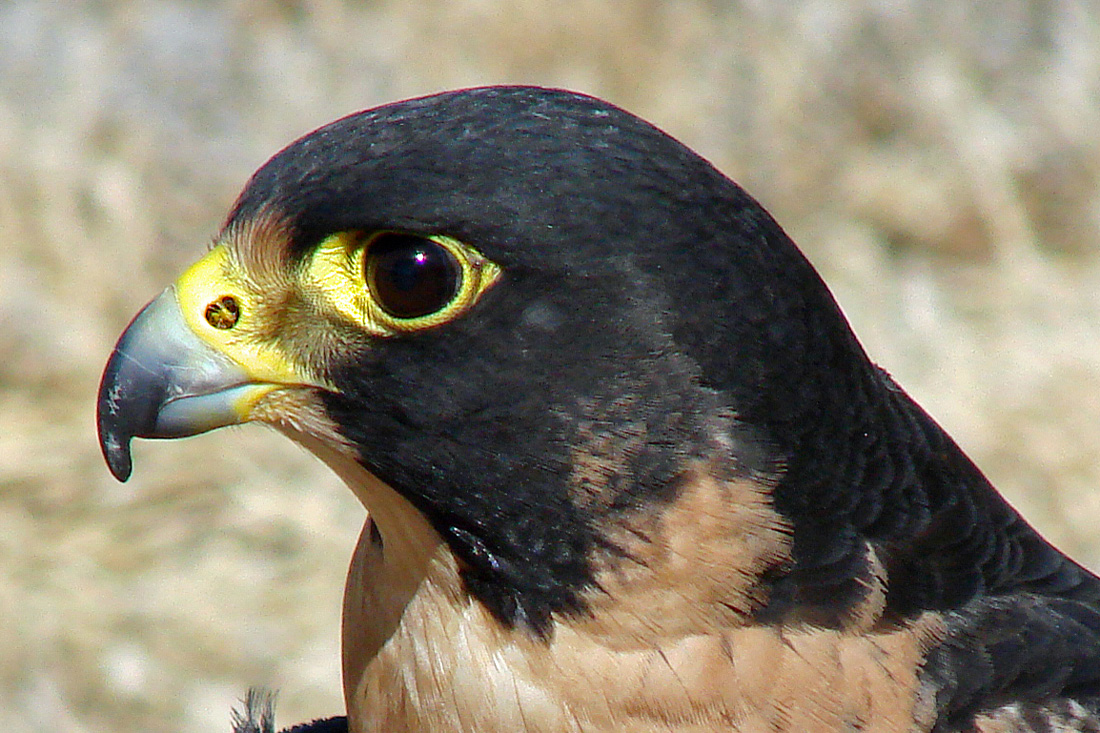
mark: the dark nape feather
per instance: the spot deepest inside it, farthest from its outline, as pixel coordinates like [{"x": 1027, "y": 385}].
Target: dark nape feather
[{"x": 259, "y": 717}]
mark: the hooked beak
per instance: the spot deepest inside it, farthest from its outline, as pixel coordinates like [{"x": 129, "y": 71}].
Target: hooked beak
[{"x": 163, "y": 381}]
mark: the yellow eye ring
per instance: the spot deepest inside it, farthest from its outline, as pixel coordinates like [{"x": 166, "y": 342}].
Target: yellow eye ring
[{"x": 394, "y": 282}]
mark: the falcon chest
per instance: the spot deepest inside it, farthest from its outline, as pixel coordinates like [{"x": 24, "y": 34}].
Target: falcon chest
[{"x": 654, "y": 653}]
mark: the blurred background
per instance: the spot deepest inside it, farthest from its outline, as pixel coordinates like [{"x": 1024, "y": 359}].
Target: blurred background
[{"x": 938, "y": 162}]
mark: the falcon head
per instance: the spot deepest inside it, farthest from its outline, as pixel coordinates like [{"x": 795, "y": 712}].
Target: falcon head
[
  {"x": 523, "y": 311},
  {"x": 557, "y": 354}
]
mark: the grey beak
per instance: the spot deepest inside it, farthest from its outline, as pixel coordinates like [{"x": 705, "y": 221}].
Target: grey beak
[{"x": 163, "y": 381}]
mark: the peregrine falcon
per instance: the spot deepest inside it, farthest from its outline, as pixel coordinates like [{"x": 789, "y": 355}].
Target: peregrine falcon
[{"x": 626, "y": 466}]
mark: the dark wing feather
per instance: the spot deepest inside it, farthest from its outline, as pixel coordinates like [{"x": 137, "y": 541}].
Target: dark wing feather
[{"x": 1027, "y": 649}]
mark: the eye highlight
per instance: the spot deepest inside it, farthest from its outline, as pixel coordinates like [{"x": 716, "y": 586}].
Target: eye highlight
[{"x": 410, "y": 276}]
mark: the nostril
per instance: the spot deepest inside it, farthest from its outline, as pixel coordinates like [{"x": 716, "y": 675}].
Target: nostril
[{"x": 223, "y": 313}]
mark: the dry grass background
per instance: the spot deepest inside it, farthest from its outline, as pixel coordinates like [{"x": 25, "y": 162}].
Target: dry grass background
[{"x": 940, "y": 163}]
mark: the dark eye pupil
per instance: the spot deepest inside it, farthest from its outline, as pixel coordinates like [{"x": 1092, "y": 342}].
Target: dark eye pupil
[{"x": 410, "y": 276}]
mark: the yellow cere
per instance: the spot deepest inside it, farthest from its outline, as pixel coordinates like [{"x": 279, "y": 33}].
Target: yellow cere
[
  {"x": 247, "y": 396},
  {"x": 336, "y": 269},
  {"x": 210, "y": 281}
]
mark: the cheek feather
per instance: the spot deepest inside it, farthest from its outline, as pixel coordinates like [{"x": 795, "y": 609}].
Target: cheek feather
[
  {"x": 300, "y": 414},
  {"x": 261, "y": 248}
]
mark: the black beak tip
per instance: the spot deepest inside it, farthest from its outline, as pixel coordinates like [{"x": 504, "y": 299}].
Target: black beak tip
[
  {"x": 115, "y": 447},
  {"x": 118, "y": 460},
  {"x": 114, "y": 439}
]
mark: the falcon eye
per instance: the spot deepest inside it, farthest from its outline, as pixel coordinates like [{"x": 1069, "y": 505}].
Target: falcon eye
[
  {"x": 390, "y": 283},
  {"x": 410, "y": 276}
]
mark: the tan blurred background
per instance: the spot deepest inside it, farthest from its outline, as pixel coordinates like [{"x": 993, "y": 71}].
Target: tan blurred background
[{"x": 941, "y": 167}]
